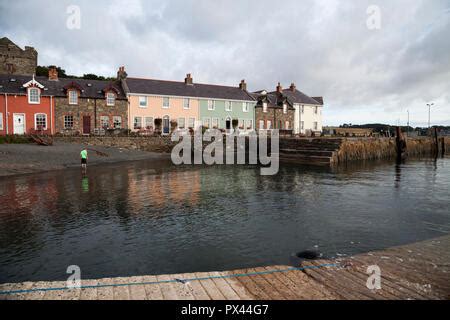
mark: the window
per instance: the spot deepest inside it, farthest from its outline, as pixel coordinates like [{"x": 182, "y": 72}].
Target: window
[
  {"x": 149, "y": 123},
  {"x": 73, "y": 97},
  {"x": 206, "y": 122},
  {"x": 34, "y": 96},
  {"x": 285, "y": 108},
  {"x": 142, "y": 102},
  {"x": 186, "y": 104},
  {"x": 40, "y": 121},
  {"x": 1, "y": 121},
  {"x": 242, "y": 124},
  {"x": 245, "y": 107},
  {"x": 303, "y": 109},
  {"x": 137, "y": 123},
  {"x": 68, "y": 122},
  {"x": 166, "y": 103},
  {"x": 110, "y": 99},
  {"x": 269, "y": 124},
  {"x": 117, "y": 122},
  {"x": 287, "y": 125},
  {"x": 316, "y": 125},
  {"x": 104, "y": 122},
  {"x": 261, "y": 124},
  {"x": 316, "y": 109},
  {"x": 249, "y": 124},
  {"x": 211, "y": 105},
  {"x": 215, "y": 123},
  {"x": 181, "y": 123},
  {"x": 191, "y": 122},
  {"x": 264, "y": 106},
  {"x": 229, "y": 106},
  {"x": 302, "y": 125}
]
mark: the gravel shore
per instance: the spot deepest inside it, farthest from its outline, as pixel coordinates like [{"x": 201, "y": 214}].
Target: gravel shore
[{"x": 31, "y": 158}]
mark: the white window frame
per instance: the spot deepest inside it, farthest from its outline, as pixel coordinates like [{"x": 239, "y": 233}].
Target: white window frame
[
  {"x": 302, "y": 125},
  {"x": 164, "y": 105},
  {"x": 241, "y": 124},
  {"x": 71, "y": 101},
  {"x": 229, "y": 106},
  {"x": 143, "y": 99},
  {"x": 38, "y": 95},
  {"x": 207, "y": 120},
  {"x": 147, "y": 122},
  {"x": 1, "y": 121},
  {"x": 66, "y": 121},
  {"x": 265, "y": 107},
  {"x": 269, "y": 124},
  {"x": 134, "y": 123},
  {"x": 316, "y": 125},
  {"x": 108, "y": 99},
  {"x": 245, "y": 107},
  {"x": 303, "y": 109},
  {"x": 102, "y": 119},
  {"x": 249, "y": 124},
  {"x": 316, "y": 110},
  {"x": 215, "y": 120},
  {"x": 35, "y": 120},
  {"x": 120, "y": 122},
  {"x": 191, "y": 121},
  {"x": 285, "y": 108},
  {"x": 186, "y": 104},
  {"x": 261, "y": 124},
  {"x": 287, "y": 125},
  {"x": 211, "y": 105},
  {"x": 179, "y": 123}
]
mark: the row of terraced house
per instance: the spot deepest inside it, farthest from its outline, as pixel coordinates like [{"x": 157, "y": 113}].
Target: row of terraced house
[{"x": 55, "y": 105}]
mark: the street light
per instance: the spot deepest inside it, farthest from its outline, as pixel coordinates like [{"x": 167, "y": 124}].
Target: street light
[{"x": 429, "y": 114}]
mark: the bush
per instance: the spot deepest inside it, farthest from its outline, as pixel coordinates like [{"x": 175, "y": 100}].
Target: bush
[{"x": 14, "y": 139}]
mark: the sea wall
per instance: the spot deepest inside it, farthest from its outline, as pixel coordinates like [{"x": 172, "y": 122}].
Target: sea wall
[{"x": 384, "y": 148}]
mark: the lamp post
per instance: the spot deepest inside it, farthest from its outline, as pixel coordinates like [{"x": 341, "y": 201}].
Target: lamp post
[{"x": 429, "y": 114}]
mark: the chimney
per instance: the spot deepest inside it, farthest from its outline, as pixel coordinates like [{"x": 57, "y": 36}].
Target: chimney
[
  {"x": 279, "y": 88},
  {"x": 52, "y": 74},
  {"x": 121, "y": 74},
  {"x": 188, "y": 80},
  {"x": 293, "y": 87},
  {"x": 243, "y": 85}
]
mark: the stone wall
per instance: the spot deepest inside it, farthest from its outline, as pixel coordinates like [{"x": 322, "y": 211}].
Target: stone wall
[
  {"x": 94, "y": 108},
  {"x": 14, "y": 60},
  {"x": 274, "y": 115}
]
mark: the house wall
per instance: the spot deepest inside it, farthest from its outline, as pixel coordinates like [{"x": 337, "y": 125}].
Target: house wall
[
  {"x": 222, "y": 115},
  {"x": 274, "y": 115},
  {"x": 155, "y": 109},
  {"x": 308, "y": 117},
  {"x": 18, "y": 104},
  {"x": 94, "y": 108}
]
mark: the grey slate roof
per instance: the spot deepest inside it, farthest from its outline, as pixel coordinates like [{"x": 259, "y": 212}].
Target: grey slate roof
[
  {"x": 197, "y": 90},
  {"x": 299, "y": 97},
  {"x": 56, "y": 88}
]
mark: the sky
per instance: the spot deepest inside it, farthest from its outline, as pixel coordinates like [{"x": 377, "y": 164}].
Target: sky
[{"x": 372, "y": 61}]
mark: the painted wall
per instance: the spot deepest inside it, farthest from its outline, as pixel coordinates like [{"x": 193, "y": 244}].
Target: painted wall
[
  {"x": 155, "y": 109},
  {"x": 220, "y": 113},
  {"x": 308, "y": 116},
  {"x": 18, "y": 104}
]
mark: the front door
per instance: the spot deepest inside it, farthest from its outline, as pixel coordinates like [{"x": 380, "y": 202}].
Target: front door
[
  {"x": 166, "y": 125},
  {"x": 19, "y": 124},
  {"x": 86, "y": 125}
]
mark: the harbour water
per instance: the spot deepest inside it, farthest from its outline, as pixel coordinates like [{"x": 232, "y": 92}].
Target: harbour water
[{"x": 141, "y": 219}]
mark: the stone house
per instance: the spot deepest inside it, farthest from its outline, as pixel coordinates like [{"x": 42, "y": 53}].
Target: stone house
[
  {"x": 87, "y": 106},
  {"x": 15, "y": 60},
  {"x": 274, "y": 111}
]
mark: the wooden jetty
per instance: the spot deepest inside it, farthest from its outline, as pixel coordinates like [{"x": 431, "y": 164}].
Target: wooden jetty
[{"x": 418, "y": 271}]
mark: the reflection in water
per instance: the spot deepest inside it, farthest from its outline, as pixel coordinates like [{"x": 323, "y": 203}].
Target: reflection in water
[{"x": 147, "y": 218}]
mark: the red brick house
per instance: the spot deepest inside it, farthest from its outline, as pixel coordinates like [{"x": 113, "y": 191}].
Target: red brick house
[{"x": 26, "y": 106}]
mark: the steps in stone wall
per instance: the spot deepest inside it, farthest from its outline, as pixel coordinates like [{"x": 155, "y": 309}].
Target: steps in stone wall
[{"x": 309, "y": 151}]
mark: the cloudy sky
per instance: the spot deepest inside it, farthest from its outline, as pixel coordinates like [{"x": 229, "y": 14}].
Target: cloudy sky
[{"x": 365, "y": 74}]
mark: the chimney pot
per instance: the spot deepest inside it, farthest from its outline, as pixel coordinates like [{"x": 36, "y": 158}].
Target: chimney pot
[
  {"x": 243, "y": 85},
  {"x": 279, "y": 88},
  {"x": 188, "y": 80},
  {"x": 293, "y": 87},
  {"x": 121, "y": 74},
  {"x": 52, "y": 74}
]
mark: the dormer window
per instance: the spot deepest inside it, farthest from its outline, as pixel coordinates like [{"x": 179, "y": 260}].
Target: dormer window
[
  {"x": 264, "y": 106},
  {"x": 73, "y": 97},
  {"x": 110, "y": 99},
  {"x": 34, "y": 96}
]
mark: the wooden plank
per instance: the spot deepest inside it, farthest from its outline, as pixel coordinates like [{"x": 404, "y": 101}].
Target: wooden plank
[
  {"x": 223, "y": 286},
  {"x": 105, "y": 293},
  {"x": 137, "y": 292},
  {"x": 89, "y": 293},
  {"x": 209, "y": 286},
  {"x": 250, "y": 285},
  {"x": 16, "y": 287},
  {"x": 182, "y": 290},
  {"x": 286, "y": 292},
  {"x": 167, "y": 289},
  {"x": 121, "y": 292},
  {"x": 266, "y": 286},
  {"x": 153, "y": 290}
]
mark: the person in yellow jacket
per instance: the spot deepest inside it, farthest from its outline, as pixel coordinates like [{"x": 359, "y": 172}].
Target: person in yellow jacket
[{"x": 84, "y": 158}]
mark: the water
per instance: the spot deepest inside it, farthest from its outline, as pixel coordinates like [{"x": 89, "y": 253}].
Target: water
[{"x": 141, "y": 218}]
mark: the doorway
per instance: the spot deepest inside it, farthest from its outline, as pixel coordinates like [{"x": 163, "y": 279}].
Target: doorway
[
  {"x": 86, "y": 125},
  {"x": 166, "y": 125},
  {"x": 19, "y": 123}
]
